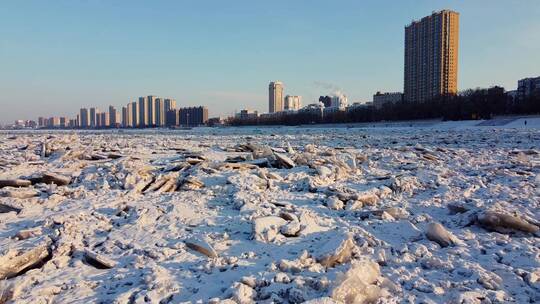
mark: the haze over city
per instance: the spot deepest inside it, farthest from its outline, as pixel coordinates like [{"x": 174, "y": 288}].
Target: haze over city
[{"x": 57, "y": 57}]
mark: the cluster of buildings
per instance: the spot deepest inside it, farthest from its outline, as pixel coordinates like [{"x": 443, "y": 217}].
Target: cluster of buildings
[
  {"x": 431, "y": 67},
  {"x": 431, "y": 70},
  {"x": 148, "y": 112},
  {"x": 279, "y": 103}
]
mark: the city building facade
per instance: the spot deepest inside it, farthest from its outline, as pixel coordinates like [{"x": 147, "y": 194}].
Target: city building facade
[
  {"x": 379, "y": 99},
  {"x": 160, "y": 112},
  {"x": 152, "y": 111},
  {"x": 113, "y": 117},
  {"x": 247, "y": 114},
  {"x": 292, "y": 103},
  {"x": 527, "y": 87},
  {"x": 84, "y": 118},
  {"x": 143, "y": 112},
  {"x": 193, "y": 116},
  {"x": 94, "y": 112},
  {"x": 339, "y": 101},
  {"x": 134, "y": 109},
  {"x": 172, "y": 118},
  {"x": 170, "y": 104},
  {"x": 275, "y": 97},
  {"x": 431, "y": 56}
]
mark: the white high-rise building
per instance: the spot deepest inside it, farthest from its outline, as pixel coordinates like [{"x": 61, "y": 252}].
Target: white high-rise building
[
  {"x": 94, "y": 112},
  {"x": 292, "y": 102},
  {"x": 152, "y": 111},
  {"x": 126, "y": 117},
  {"x": 339, "y": 101},
  {"x": 84, "y": 118},
  {"x": 160, "y": 112},
  {"x": 275, "y": 97},
  {"x": 143, "y": 112}
]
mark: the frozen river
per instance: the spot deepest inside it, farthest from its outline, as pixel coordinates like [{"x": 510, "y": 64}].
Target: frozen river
[{"x": 446, "y": 212}]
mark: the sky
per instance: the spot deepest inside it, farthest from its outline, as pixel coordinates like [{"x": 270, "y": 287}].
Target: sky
[{"x": 58, "y": 56}]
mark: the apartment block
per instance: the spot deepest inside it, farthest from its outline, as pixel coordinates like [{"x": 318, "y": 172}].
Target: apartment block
[{"x": 431, "y": 56}]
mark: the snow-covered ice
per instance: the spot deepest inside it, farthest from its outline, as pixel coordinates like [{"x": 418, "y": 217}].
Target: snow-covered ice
[{"x": 271, "y": 215}]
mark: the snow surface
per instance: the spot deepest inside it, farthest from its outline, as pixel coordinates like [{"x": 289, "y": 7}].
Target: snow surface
[{"x": 356, "y": 196}]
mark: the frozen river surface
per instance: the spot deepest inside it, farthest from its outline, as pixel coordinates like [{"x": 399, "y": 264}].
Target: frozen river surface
[{"x": 271, "y": 215}]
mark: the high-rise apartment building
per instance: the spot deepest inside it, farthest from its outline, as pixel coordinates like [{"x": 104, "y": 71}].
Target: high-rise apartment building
[
  {"x": 431, "y": 56},
  {"x": 160, "y": 112},
  {"x": 169, "y": 104},
  {"x": 143, "y": 112},
  {"x": 152, "y": 111},
  {"x": 102, "y": 120},
  {"x": 293, "y": 103},
  {"x": 84, "y": 118},
  {"x": 172, "y": 118},
  {"x": 275, "y": 97},
  {"x": 113, "y": 115},
  {"x": 133, "y": 108},
  {"x": 42, "y": 121},
  {"x": 193, "y": 116},
  {"x": 94, "y": 112},
  {"x": 528, "y": 87},
  {"x": 126, "y": 119}
]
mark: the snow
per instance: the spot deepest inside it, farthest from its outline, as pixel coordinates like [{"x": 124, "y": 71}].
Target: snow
[{"x": 440, "y": 212}]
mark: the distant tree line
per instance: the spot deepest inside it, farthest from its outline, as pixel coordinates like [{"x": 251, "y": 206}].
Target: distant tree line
[{"x": 470, "y": 104}]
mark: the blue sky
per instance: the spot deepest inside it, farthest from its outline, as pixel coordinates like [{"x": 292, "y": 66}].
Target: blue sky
[{"x": 56, "y": 56}]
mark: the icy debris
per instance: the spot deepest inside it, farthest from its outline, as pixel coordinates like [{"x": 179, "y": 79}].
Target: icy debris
[
  {"x": 98, "y": 260},
  {"x": 405, "y": 184},
  {"x": 490, "y": 280},
  {"x": 359, "y": 284},
  {"x": 8, "y": 208},
  {"x": 237, "y": 166},
  {"x": 284, "y": 161},
  {"x": 339, "y": 249},
  {"x": 288, "y": 216},
  {"x": 390, "y": 213},
  {"x": 24, "y": 234},
  {"x": 201, "y": 246},
  {"x": 295, "y": 295},
  {"x": 387, "y": 190},
  {"x": 505, "y": 223},
  {"x": 19, "y": 193},
  {"x": 241, "y": 293},
  {"x": 437, "y": 233},
  {"x": 266, "y": 229},
  {"x": 324, "y": 300},
  {"x": 57, "y": 179},
  {"x": 15, "y": 183},
  {"x": 250, "y": 281},
  {"x": 457, "y": 208},
  {"x": 23, "y": 255},
  {"x": 324, "y": 171},
  {"x": 334, "y": 203},
  {"x": 291, "y": 229},
  {"x": 191, "y": 183},
  {"x": 368, "y": 199},
  {"x": 533, "y": 279}
]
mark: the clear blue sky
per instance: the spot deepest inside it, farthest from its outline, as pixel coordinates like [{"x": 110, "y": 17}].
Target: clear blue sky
[{"x": 56, "y": 56}]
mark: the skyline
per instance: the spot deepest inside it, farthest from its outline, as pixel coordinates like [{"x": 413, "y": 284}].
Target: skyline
[{"x": 61, "y": 59}]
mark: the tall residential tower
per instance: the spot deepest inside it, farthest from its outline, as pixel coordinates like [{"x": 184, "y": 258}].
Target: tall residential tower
[
  {"x": 431, "y": 56},
  {"x": 275, "y": 97}
]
